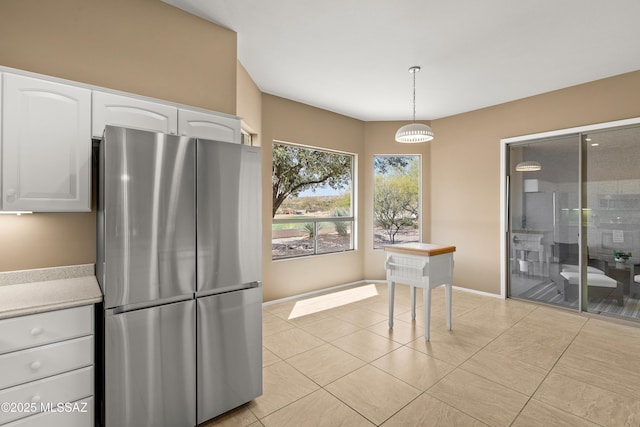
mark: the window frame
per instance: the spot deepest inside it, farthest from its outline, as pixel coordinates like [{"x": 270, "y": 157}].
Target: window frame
[{"x": 315, "y": 220}]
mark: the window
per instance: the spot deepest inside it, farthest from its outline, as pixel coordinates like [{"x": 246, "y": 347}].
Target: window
[
  {"x": 312, "y": 201},
  {"x": 396, "y": 200}
]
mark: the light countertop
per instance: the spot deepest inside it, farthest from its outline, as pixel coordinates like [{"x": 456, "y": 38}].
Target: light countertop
[{"x": 36, "y": 291}]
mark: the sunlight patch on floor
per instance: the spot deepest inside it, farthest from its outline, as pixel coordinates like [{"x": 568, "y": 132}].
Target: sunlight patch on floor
[{"x": 332, "y": 300}]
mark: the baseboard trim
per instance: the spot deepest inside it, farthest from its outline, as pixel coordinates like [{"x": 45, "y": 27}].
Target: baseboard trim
[{"x": 361, "y": 282}]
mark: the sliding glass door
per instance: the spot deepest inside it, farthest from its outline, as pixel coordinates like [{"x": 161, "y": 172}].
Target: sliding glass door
[
  {"x": 611, "y": 192},
  {"x": 544, "y": 220},
  {"x": 573, "y": 232}
]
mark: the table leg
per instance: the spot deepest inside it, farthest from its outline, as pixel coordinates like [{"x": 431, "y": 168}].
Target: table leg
[
  {"x": 391, "y": 286},
  {"x": 427, "y": 311},
  {"x": 448, "y": 295},
  {"x": 412, "y": 291}
]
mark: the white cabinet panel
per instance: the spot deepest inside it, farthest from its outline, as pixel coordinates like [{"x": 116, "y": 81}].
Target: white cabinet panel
[
  {"x": 208, "y": 126},
  {"x": 71, "y": 414},
  {"x": 37, "y": 329},
  {"x": 38, "y": 395},
  {"x": 46, "y": 146},
  {"x": 118, "y": 110},
  {"x": 39, "y": 362}
]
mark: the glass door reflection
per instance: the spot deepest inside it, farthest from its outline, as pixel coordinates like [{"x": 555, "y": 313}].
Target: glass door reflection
[
  {"x": 612, "y": 220},
  {"x": 544, "y": 220}
]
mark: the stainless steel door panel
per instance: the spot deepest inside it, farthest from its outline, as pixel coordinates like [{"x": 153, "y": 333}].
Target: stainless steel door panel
[
  {"x": 229, "y": 220},
  {"x": 229, "y": 351},
  {"x": 149, "y": 363},
  {"x": 148, "y": 207}
]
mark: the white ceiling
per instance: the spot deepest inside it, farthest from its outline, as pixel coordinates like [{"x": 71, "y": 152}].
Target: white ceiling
[{"x": 352, "y": 56}]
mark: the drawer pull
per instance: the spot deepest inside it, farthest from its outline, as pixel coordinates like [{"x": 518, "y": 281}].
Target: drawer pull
[
  {"x": 35, "y": 399},
  {"x": 35, "y": 365},
  {"x": 36, "y": 331}
]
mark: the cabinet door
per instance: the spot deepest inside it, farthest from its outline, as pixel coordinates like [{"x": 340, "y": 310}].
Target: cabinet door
[
  {"x": 46, "y": 144},
  {"x": 118, "y": 110},
  {"x": 197, "y": 124}
]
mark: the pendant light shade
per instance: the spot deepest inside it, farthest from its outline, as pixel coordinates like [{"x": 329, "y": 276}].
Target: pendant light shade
[
  {"x": 414, "y": 132},
  {"x": 528, "y": 166}
]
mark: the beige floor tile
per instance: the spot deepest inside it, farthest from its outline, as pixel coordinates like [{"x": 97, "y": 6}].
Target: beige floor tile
[
  {"x": 282, "y": 310},
  {"x": 366, "y": 345},
  {"x": 289, "y": 343},
  {"x": 402, "y": 332},
  {"x": 361, "y": 317},
  {"x": 373, "y": 393},
  {"x": 282, "y": 385},
  {"x": 269, "y": 358},
  {"x": 319, "y": 409},
  {"x": 453, "y": 346},
  {"x": 330, "y": 328},
  {"x": 551, "y": 318},
  {"x": 503, "y": 370},
  {"x": 601, "y": 368},
  {"x": 538, "y": 414},
  {"x": 307, "y": 318},
  {"x": 534, "y": 345},
  {"x": 593, "y": 403},
  {"x": 413, "y": 367},
  {"x": 272, "y": 324},
  {"x": 428, "y": 411},
  {"x": 496, "y": 316},
  {"x": 325, "y": 364},
  {"x": 381, "y": 306},
  {"x": 239, "y": 417},
  {"x": 489, "y": 402}
]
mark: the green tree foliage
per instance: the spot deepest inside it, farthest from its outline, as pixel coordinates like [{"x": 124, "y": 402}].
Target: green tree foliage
[
  {"x": 396, "y": 197},
  {"x": 296, "y": 169}
]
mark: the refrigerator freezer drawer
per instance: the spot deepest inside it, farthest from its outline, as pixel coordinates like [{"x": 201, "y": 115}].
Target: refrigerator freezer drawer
[
  {"x": 229, "y": 351},
  {"x": 149, "y": 356}
]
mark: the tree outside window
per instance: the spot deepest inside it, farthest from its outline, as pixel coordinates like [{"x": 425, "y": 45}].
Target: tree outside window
[
  {"x": 396, "y": 200},
  {"x": 312, "y": 201}
]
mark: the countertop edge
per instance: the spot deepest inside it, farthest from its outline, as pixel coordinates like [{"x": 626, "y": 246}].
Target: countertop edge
[{"x": 38, "y": 297}]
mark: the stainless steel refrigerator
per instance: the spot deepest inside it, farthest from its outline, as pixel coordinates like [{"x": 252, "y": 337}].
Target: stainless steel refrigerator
[{"x": 179, "y": 264}]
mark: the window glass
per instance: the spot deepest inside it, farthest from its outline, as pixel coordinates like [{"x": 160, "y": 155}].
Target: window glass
[
  {"x": 312, "y": 193},
  {"x": 396, "y": 200}
]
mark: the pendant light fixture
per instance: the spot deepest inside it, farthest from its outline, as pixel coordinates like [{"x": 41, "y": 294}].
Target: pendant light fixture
[
  {"x": 414, "y": 132},
  {"x": 528, "y": 166}
]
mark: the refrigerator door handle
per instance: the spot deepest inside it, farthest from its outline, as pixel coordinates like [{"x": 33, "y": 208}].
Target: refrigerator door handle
[
  {"x": 142, "y": 305},
  {"x": 234, "y": 288}
]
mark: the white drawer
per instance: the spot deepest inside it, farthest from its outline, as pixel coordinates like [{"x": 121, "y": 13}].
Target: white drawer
[
  {"x": 37, "y": 329},
  {"x": 30, "y": 398},
  {"x": 76, "y": 414},
  {"x": 32, "y": 364}
]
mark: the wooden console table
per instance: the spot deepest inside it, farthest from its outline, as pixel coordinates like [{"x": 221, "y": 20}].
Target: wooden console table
[{"x": 420, "y": 265}]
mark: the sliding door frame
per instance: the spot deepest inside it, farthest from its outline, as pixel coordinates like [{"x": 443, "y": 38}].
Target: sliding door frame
[{"x": 504, "y": 195}]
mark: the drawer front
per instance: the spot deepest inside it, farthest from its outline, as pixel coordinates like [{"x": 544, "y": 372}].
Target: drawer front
[
  {"x": 75, "y": 414},
  {"x": 30, "y": 398},
  {"x": 44, "y": 328},
  {"x": 24, "y": 366}
]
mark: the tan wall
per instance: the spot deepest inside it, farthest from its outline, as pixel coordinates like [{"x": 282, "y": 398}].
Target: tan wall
[
  {"x": 249, "y": 100},
  {"x": 380, "y": 139},
  {"x": 291, "y": 121},
  {"x": 465, "y": 165},
  {"x": 141, "y": 46}
]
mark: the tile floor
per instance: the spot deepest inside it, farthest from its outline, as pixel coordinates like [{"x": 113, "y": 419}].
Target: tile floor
[{"x": 505, "y": 363}]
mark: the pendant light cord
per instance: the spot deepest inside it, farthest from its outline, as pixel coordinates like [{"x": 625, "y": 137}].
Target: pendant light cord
[{"x": 414, "y": 96}]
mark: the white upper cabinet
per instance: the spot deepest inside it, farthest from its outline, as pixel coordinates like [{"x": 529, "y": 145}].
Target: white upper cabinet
[
  {"x": 118, "y": 110},
  {"x": 46, "y": 146},
  {"x": 208, "y": 126}
]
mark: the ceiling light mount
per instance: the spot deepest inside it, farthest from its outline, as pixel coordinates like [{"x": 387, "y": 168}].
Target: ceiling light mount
[{"x": 414, "y": 132}]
